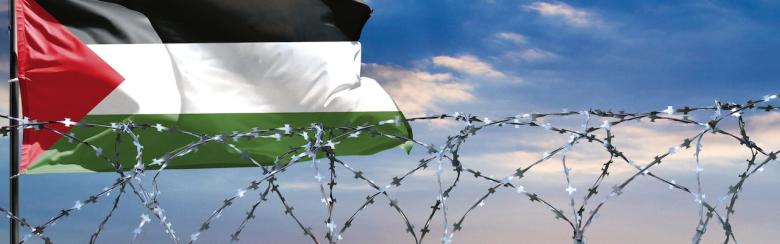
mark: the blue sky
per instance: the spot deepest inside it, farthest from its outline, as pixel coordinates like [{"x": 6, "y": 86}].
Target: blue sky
[
  {"x": 612, "y": 52},
  {"x": 501, "y": 58}
]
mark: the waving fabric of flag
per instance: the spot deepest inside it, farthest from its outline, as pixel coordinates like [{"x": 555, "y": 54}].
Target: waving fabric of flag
[{"x": 206, "y": 66}]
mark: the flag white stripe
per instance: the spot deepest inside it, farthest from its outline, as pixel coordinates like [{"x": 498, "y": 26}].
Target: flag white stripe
[{"x": 209, "y": 78}]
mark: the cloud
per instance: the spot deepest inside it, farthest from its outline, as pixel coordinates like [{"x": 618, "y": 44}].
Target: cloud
[
  {"x": 5, "y": 103},
  {"x": 4, "y": 100},
  {"x": 468, "y": 64},
  {"x": 445, "y": 124},
  {"x": 641, "y": 142},
  {"x": 418, "y": 92},
  {"x": 769, "y": 127},
  {"x": 568, "y": 13},
  {"x": 533, "y": 54},
  {"x": 512, "y": 37},
  {"x": 310, "y": 185}
]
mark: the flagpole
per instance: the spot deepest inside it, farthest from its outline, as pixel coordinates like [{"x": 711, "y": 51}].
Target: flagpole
[{"x": 14, "y": 110}]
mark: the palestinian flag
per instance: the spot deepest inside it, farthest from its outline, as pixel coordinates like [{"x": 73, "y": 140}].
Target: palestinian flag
[{"x": 206, "y": 66}]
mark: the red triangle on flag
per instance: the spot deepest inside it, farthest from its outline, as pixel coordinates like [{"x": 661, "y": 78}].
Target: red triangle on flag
[{"x": 59, "y": 77}]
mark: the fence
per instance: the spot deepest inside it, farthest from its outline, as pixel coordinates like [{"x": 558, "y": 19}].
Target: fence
[{"x": 579, "y": 213}]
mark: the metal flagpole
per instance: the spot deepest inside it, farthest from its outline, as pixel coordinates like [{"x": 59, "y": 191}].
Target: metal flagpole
[{"x": 14, "y": 109}]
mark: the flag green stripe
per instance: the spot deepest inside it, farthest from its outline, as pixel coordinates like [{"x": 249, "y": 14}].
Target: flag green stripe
[{"x": 71, "y": 157}]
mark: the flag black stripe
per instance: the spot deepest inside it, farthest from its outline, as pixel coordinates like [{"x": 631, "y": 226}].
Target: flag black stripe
[{"x": 210, "y": 21}]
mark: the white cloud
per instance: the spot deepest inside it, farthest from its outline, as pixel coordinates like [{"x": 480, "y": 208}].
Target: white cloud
[
  {"x": 468, "y": 64},
  {"x": 311, "y": 185},
  {"x": 641, "y": 142},
  {"x": 5, "y": 103},
  {"x": 512, "y": 37},
  {"x": 568, "y": 13},
  {"x": 445, "y": 124},
  {"x": 533, "y": 54},
  {"x": 417, "y": 92}
]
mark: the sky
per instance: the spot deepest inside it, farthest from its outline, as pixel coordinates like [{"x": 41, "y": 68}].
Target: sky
[{"x": 500, "y": 58}]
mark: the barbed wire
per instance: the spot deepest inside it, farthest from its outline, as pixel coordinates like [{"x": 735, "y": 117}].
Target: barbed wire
[{"x": 320, "y": 149}]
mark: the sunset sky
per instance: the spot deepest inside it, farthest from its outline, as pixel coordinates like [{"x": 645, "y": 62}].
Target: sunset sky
[{"x": 498, "y": 58}]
